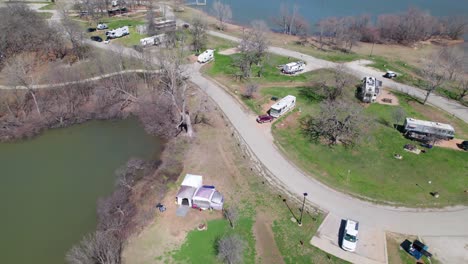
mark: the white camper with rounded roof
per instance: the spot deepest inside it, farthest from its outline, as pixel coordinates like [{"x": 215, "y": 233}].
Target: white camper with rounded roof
[{"x": 282, "y": 106}]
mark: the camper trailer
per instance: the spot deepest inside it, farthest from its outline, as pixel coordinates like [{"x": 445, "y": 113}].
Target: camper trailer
[
  {"x": 193, "y": 193},
  {"x": 206, "y": 56},
  {"x": 118, "y": 32},
  {"x": 165, "y": 25},
  {"x": 293, "y": 67},
  {"x": 282, "y": 106},
  {"x": 369, "y": 89},
  {"x": 154, "y": 40},
  {"x": 421, "y": 129}
]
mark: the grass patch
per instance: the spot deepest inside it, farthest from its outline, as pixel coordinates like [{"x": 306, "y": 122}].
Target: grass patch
[
  {"x": 329, "y": 55},
  {"x": 50, "y": 6},
  {"x": 45, "y": 15},
  {"x": 369, "y": 169},
  {"x": 200, "y": 247}
]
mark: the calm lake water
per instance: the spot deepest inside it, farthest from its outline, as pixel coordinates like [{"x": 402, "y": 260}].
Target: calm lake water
[{"x": 50, "y": 185}]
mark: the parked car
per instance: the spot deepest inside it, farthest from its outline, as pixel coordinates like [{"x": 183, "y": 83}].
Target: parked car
[
  {"x": 101, "y": 26},
  {"x": 390, "y": 75},
  {"x": 264, "y": 118},
  {"x": 349, "y": 241},
  {"x": 91, "y": 29},
  {"x": 463, "y": 145},
  {"x": 96, "y": 38}
]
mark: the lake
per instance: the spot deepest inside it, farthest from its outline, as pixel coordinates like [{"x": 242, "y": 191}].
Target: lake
[{"x": 50, "y": 185}]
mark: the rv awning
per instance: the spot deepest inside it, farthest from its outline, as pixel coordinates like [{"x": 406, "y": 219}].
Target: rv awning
[
  {"x": 192, "y": 181},
  {"x": 186, "y": 192}
]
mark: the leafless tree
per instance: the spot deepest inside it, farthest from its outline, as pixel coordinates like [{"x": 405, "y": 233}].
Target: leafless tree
[
  {"x": 338, "y": 121},
  {"x": 231, "y": 215},
  {"x": 150, "y": 16},
  {"x": 455, "y": 27},
  {"x": 398, "y": 115},
  {"x": 253, "y": 47},
  {"x": 452, "y": 60},
  {"x": 100, "y": 247},
  {"x": 73, "y": 32},
  {"x": 461, "y": 86},
  {"x": 198, "y": 31},
  {"x": 433, "y": 74},
  {"x": 250, "y": 89},
  {"x": 231, "y": 249},
  {"x": 222, "y": 12}
]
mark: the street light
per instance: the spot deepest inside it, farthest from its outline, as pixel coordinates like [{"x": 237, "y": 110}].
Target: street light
[{"x": 302, "y": 211}]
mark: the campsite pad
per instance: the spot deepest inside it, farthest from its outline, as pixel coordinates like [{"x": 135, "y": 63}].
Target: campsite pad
[{"x": 182, "y": 211}]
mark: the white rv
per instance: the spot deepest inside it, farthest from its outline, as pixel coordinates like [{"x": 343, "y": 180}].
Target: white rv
[
  {"x": 427, "y": 129},
  {"x": 293, "y": 67},
  {"x": 282, "y": 106},
  {"x": 206, "y": 56},
  {"x": 154, "y": 40},
  {"x": 118, "y": 32},
  {"x": 370, "y": 89}
]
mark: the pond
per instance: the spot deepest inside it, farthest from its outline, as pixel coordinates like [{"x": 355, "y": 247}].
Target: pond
[{"x": 50, "y": 185}]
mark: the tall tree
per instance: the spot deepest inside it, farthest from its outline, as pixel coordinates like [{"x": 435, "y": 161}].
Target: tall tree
[
  {"x": 253, "y": 47},
  {"x": 222, "y": 12},
  {"x": 198, "y": 31},
  {"x": 231, "y": 249},
  {"x": 433, "y": 74}
]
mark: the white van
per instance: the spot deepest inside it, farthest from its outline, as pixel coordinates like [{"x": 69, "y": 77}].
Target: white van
[
  {"x": 282, "y": 106},
  {"x": 206, "y": 56}
]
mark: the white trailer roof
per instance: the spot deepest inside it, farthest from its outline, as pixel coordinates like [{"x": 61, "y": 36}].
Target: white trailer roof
[
  {"x": 191, "y": 180},
  {"x": 283, "y": 102},
  {"x": 412, "y": 121}
]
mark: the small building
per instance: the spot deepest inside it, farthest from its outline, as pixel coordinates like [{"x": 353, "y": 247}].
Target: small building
[
  {"x": 369, "y": 89},
  {"x": 207, "y": 197},
  {"x": 422, "y": 129},
  {"x": 283, "y": 106},
  {"x": 189, "y": 186}
]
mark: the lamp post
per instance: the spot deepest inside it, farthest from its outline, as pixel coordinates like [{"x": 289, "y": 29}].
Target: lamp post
[{"x": 302, "y": 211}]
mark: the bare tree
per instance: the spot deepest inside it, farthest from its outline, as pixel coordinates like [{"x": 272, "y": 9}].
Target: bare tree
[
  {"x": 250, "y": 89},
  {"x": 338, "y": 121},
  {"x": 73, "y": 32},
  {"x": 222, "y": 12},
  {"x": 231, "y": 249},
  {"x": 461, "y": 86},
  {"x": 433, "y": 74},
  {"x": 253, "y": 47},
  {"x": 398, "y": 115},
  {"x": 231, "y": 215},
  {"x": 452, "y": 61},
  {"x": 455, "y": 27},
  {"x": 198, "y": 31},
  {"x": 100, "y": 247},
  {"x": 150, "y": 16}
]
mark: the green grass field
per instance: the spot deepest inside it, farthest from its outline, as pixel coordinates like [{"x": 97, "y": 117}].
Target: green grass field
[
  {"x": 45, "y": 15},
  {"x": 50, "y": 6},
  {"x": 369, "y": 169}
]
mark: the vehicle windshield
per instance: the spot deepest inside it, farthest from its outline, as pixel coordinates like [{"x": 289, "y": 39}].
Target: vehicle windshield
[
  {"x": 350, "y": 238},
  {"x": 274, "y": 111}
]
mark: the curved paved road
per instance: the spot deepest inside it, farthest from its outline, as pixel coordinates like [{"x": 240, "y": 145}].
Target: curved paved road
[{"x": 446, "y": 222}]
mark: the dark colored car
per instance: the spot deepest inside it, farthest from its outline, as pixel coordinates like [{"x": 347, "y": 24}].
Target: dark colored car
[
  {"x": 96, "y": 38},
  {"x": 463, "y": 145},
  {"x": 390, "y": 75},
  {"x": 264, "y": 118},
  {"x": 91, "y": 29}
]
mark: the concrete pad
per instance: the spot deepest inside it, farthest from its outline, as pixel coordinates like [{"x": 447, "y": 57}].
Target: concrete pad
[
  {"x": 371, "y": 247},
  {"x": 182, "y": 211},
  {"x": 448, "y": 249}
]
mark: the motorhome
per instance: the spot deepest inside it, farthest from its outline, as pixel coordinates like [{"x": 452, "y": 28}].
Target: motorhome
[
  {"x": 118, "y": 32},
  {"x": 293, "y": 67},
  {"x": 422, "y": 129},
  {"x": 168, "y": 24},
  {"x": 206, "y": 56},
  {"x": 369, "y": 89},
  {"x": 154, "y": 40},
  {"x": 282, "y": 106}
]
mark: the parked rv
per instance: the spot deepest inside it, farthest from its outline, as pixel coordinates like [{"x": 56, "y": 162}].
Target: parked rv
[
  {"x": 206, "y": 56},
  {"x": 369, "y": 89},
  {"x": 282, "y": 106},
  {"x": 293, "y": 67},
  {"x": 424, "y": 130},
  {"x": 165, "y": 25},
  {"x": 154, "y": 40},
  {"x": 118, "y": 32},
  {"x": 101, "y": 26}
]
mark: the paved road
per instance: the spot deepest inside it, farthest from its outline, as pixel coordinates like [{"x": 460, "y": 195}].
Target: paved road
[
  {"x": 448, "y": 222},
  {"x": 358, "y": 69}
]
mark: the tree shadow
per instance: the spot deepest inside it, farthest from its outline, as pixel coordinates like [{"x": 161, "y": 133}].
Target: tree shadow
[{"x": 341, "y": 231}]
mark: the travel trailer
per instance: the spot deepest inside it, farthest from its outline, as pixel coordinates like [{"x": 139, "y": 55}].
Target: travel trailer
[
  {"x": 293, "y": 67},
  {"x": 118, "y": 32},
  {"x": 169, "y": 24},
  {"x": 194, "y": 194},
  {"x": 154, "y": 40},
  {"x": 206, "y": 56},
  {"x": 369, "y": 89},
  {"x": 422, "y": 129},
  {"x": 282, "y": 106}
]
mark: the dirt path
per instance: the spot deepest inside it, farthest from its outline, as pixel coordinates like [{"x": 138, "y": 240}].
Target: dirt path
[
  {"x": 452, "y": 144},
  {"x": 267, "y": 251}
]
